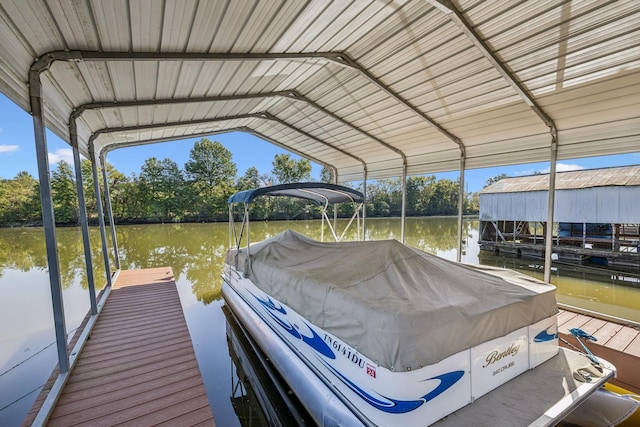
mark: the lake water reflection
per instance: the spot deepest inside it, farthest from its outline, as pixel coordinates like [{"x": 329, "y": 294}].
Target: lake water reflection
[{"x": 196, "y": 253}]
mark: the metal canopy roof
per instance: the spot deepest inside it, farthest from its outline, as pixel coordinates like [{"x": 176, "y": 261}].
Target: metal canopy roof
[{"x": 356, "y": 85}]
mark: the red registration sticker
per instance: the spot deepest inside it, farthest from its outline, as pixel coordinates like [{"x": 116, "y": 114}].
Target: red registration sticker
[{"x": 371, "y": 370}]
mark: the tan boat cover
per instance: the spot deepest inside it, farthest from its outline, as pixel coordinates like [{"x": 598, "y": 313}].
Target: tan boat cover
[{"x": 397, "y": 305}]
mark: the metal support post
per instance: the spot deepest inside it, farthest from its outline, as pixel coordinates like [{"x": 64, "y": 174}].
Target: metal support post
[
  {"x": 103, "y": 235},
  {"x": 461, "y": 207},
  {"x": 364, "y": 206},
  {"x": 335, "y": 205},
  {"x": 403, "y": 214},
  {"x": 112, "y": 224},
  {"x": 48, "y": 221},
  {"x": 84, "y": 223},
  {"x": 246, "y": 218},
  {"x": 550, "y": 206}
]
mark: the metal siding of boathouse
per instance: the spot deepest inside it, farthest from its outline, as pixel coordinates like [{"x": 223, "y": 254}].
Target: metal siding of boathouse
[
  {"x": 609, "y": 195},
  {"x": 599, "y": 205},
  {"x": 527, "y": 206}
]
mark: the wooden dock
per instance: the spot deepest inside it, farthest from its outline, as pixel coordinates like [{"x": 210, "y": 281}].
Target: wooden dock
[
  {"x": 617, "y": 343},
  {"x": 139, "y": 367},
  {"x": 623, "y": 260}
]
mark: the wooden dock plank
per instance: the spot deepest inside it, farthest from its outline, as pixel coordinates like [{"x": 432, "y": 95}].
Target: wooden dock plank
[
  {"x": 141, "y": 317},
  {"x": 109, "y": 369},
  {"x": 623, "y": 338},
  {"x": 194, "y": 418},
  {"x": 81, "y": 400},
  {"x": 126, "y": 409},
  {"x": 88, "y": 388},
  {"x": 119, "y": 361},
  {"x": 127, "y": 350},
  {"x": 606, "y": 332},
  {"x": 163, "y": 410},
  {"x": 564, "y": 316},
  {"x": 577, "y": 321},
  {"x": 593, "y": 325},
  {"x": 149, "y": 371},
  {"x": 634, "y": 347},
  {"x": 619, "y": 344},
  {"x": 139, "y": 366},
  {"x": 133, "y": 337}
]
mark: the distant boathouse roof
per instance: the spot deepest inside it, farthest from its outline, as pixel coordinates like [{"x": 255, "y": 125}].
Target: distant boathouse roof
[
  {"x": 615, "y": 176},
  {"x": 608, "y": 195}
]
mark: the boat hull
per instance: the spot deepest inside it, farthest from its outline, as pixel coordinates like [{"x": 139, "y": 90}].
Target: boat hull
[{"x": 333, "y": 379}]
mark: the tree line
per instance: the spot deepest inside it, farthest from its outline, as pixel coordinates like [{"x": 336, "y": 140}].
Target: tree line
[{"x": 164, "y": 192}]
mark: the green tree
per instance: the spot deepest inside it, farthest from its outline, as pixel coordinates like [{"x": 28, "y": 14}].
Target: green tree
[
  {"x": 3, "y": 197},
  {"x": 287, "y": 169},
  {"x": 65, "y": 198},
  {"x": 89, "y": 191},
  {"x": 162, "y": 186},
  {"x": 128, "y": 201},
  {"x": 424, "y": 195},
  {"x": 392, "y": 188},
  {"x": 211, "y": 172},
  {"x": 377, "y": 199},
  {"x": 326, "y": 175},
  {"x": 473, "y": 203},
  {"x": 250, "y": 180},
  {"x": 151, "y": 189},
  {"x": 173, "y": 186},
  {"x": 20, "y": 200},
  {"x": 495, "y": 179},
  {"x": 444, "y": 197},
  {"x": 120, "y": 191},
  {"x": 415, "y": 186}
]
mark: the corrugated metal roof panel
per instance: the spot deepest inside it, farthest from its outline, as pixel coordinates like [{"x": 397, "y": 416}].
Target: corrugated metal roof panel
[
  {"x": 618, "y": 176},
  {"x": 408, "y": 76}
]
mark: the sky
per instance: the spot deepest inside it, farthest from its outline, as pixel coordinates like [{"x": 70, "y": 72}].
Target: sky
[{"x": 17, "y": 153}]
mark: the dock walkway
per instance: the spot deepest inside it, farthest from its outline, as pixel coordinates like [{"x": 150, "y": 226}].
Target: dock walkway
[
  {"x": 139, "y": 366},
  {"x": 617, "y": 343}
]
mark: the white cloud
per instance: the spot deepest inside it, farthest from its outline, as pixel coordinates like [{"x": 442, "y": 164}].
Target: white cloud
[
  {"x": 8, "y": 148},
  {"x": 560, "y": 167},
  {"x": 525, "y": 173},
  {"x": 564, "y": 167},
  {"x": 65, "y": 154}
]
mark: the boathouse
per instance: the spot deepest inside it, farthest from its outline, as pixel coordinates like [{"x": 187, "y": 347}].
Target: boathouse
[{"x": 597, "y": 216}]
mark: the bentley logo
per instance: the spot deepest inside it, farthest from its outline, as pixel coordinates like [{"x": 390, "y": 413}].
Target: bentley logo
[{"x": 495, "y": 356}]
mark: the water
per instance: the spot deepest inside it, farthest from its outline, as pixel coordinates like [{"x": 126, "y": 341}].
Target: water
[{"x": 196, "y": 253}]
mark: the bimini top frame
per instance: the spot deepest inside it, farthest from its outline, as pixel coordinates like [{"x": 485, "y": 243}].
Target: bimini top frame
[{"x": 320, "y": 193}]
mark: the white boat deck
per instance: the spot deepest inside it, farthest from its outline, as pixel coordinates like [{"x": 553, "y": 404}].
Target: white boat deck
[{"x": 550, "y": 389}]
